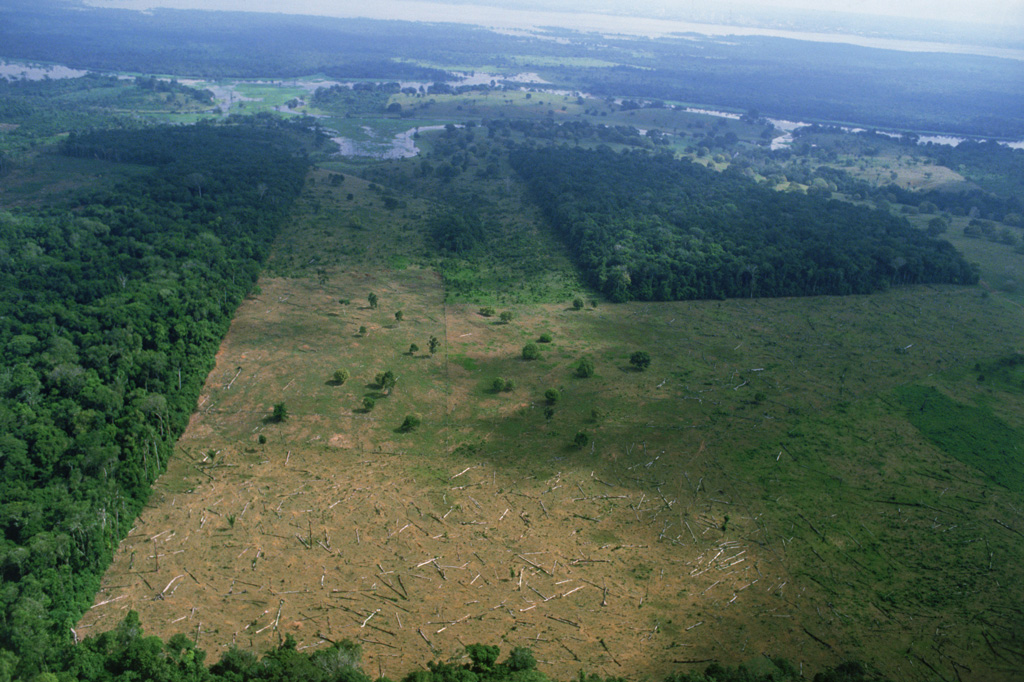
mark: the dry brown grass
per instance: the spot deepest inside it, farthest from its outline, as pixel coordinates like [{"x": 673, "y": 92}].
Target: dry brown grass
[
  {"x": 335, "y": 524},
  {"x": 359, "y": 546}
]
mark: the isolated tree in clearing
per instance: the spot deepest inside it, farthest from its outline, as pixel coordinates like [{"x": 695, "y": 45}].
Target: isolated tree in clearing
[
  {"x": 641, "y": 359},
  {"x": 386, "y": 381}
]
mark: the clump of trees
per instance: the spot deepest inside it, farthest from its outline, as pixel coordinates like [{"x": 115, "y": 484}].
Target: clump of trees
[
  {"x": 386, "y": 380},
  {"x": 640, "y": 360},
  {"x": 500, "y": 384},
  {"x": 361, "y": 98},
  {"x": 411, "y": 423},
  {"x": 457, "y": 232}
]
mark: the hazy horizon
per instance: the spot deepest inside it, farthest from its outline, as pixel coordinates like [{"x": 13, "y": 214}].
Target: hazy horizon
[
  {"x": 869, "y": 23},
  {"x": 991, "y": 12},
  {"x": 1005, "y": 14}
]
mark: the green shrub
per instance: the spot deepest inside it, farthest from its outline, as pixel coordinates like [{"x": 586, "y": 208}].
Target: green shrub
[
  {"x": 411, "y": 423},
  {"x": 640, "y": 359}
]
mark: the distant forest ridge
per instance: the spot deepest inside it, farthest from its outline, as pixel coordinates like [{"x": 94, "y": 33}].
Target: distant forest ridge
[{"x": 926, "y": 92}]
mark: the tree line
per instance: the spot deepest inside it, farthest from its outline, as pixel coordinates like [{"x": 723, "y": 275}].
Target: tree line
[
  {"x": 112, "y": 306},
  {"x": 125, "y": 653},
  {"x": 651, "y": 227}
]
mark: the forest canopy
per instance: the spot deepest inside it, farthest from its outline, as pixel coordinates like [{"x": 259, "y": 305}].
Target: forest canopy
[
  {"x": 112, "y": 306},
  {"x": 650, "y": 227}
]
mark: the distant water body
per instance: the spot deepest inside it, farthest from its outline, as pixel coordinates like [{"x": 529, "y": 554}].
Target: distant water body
[
  {"x": 510, "y": 19},
  {"x": 36, "y": 72}
]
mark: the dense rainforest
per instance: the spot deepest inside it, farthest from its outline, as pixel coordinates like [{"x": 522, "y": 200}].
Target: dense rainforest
[
  {"x": 651, "y": 227},
  {"x": 112, "y": 306}
]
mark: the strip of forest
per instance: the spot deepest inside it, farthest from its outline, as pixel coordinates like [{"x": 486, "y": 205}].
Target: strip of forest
[
  {"x": 112, "y": 306},
  {"x": 651, "y": 227}
]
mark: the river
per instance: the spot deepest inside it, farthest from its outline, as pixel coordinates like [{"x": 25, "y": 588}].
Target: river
[
  {"x": 401, "y": 146},
  {"x": 36, "y": 72}
]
